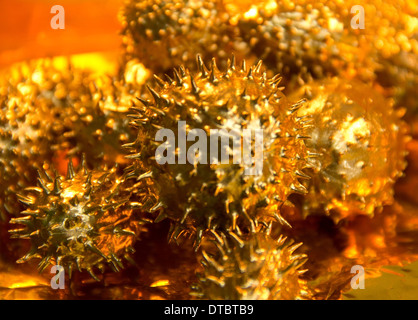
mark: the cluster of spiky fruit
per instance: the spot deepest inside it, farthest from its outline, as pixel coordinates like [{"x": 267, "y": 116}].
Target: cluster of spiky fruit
[
  {"x": 48, "y": 107},
  {"x": 301, "y": 39},
  {"x": 83, "y": 222},
  {"x": 88, "y": 220},
  {"x": 209, "y": 195},
  {"x": 348, "y": 138}
]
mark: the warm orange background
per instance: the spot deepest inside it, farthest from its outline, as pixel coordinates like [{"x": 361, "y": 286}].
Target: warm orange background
[{"x": 25, "y": 30}]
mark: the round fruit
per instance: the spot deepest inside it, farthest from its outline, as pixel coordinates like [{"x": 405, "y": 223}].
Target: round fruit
[
  {"x": 201, "y": 192},
  {"x": 164, "y": 34},
  {"x": 84, "y": 221},
  {"x": 362, "y": 141},
  {"x": 256, "y": 267}
]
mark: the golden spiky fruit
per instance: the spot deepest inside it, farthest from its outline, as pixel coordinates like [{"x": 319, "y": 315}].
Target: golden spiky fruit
[
  {"x": 47, "y": 105},
  {"x": 305, "y": 39},
  {"x": 252, "y": 267},
  {"x": 85, "y": 221},
  {"x": 362, "y": 141},
  {"x": 31, "y": 103},
  {"x": 215, "y": 195},
  {"x": 50, "y": 108},
  {"x": 296, "y": 39},
  {"x": 97, "y": 124},
  {"x": 164, "y": 34}
]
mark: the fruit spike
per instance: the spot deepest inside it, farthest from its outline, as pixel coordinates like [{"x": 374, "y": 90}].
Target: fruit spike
[
  {"x": 83, "y": 221},
  {"x": 252, "y": 267},
  {"x": 362, "y": 142},
  {"x": 220, "y": 196},
  {"x": 166, "y": 33}
]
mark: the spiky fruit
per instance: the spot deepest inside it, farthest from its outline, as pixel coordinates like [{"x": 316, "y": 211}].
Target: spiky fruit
[
  {"x": 84, "y": 221},
  {"x": 164, "y": 34},
  {"x": 48, "y": 105},
  {"x": 31, "y": 103},
  {"x": 96, "y": 120},
  {"x": 220, "y": 195},
  {"x": 389, "y": 40},
  {"x": 294, "y": 39},
  {"x": 361, "y": 139},
  {"x": 97, "y": 125},
  {"x": 254, "y": 267},
  {"x": 305, "y": 39},
  {"x": 401, "y": 74}
]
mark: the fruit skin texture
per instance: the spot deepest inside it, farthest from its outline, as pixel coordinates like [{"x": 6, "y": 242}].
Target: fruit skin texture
[
  {"x": 84, "y": 221},
  {"x": 164, "y": 34},
  {"x": 306, "y": 39},
  {"x": 294, "y": 42},
  {"x": 97, "y": 124},
  {"x": 31, "y": 102},
  {"x": 220, "y": 196},
  {"x": 362, "y": 141},
  {"x": 252, "y": 267}
]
